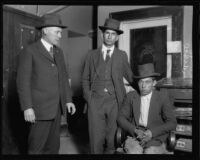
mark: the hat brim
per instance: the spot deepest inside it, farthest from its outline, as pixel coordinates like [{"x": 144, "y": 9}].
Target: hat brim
[
  {"x": 43, "y": 26},
  {"x": 145, "y": 76},
  {"x": 104, "y": 28}
]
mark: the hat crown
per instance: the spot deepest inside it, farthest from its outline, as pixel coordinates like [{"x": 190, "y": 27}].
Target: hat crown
[
  {"x": 112, "y": 23},
  {"x": 146, "y": 70},
  {"x": 51, "y": 20}
]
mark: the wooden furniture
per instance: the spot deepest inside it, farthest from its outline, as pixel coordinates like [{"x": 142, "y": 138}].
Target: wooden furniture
[
  {"x": 180, "y": 91},
  {"x": 121, "y": 135},
  {"x": 18, "y": 32}
]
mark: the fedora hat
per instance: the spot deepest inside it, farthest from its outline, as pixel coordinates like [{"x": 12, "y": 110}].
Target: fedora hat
[
  {"x": 112, "y": 24},
  {"x": 146, "y": 70},
  {"x": 51, "y": 20}
]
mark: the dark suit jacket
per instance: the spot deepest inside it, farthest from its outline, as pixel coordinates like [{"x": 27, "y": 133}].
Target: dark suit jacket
[
  {"x": 119, "y": 68},
  {"x": 40, "y": 85},
  {"x": 161, "y": 118}
]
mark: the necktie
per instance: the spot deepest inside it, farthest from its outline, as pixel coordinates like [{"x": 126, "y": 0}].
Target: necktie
[
  {"x": 107, "y": 55},
  {"x": 51, "y": 52}
]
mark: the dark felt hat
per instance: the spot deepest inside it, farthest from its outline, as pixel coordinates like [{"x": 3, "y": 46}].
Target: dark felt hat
[
  {"x": 112, "y": 24},
  {"x": 146, "y": 70},
  {"x": 51, "y": 20}
]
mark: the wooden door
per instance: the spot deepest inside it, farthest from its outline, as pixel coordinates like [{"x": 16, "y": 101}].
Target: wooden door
[{"x": 18, "y": 32}]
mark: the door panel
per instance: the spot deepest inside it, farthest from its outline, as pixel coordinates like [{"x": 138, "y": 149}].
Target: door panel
[{"x": 14, "y": 128}]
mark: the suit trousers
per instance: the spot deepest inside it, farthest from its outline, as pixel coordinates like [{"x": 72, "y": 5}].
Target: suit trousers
[
  {"x": 44, "y": 136},
  {"x": 132, "y": 146},
  {"x": 102, "y": 114}
]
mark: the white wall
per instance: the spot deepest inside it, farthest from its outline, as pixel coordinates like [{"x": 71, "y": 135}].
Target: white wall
[
  {"x": 187, "y": 42},
  {"x": 104, "y": 11},
  {"x": 78, "y": 19}
]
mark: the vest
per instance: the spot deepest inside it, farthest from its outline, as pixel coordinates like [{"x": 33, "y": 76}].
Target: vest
[{"x": 103, "y": 81}]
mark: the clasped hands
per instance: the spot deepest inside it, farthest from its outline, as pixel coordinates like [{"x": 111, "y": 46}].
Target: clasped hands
[{"x": 143, "y": 136}]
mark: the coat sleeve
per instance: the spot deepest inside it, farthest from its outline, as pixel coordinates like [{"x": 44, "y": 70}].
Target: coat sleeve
[
  {"x": 124, "y": 115},
  {"x": 24, "y": 71},
  {"x": 168, "y": 116},
  {"x": 128, "y": 74},
  {"x": 65, "y": 67},
  {"x": 86, "y": 77}
]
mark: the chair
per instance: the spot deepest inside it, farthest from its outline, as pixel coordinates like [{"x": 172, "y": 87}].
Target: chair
[{"x": 121, "y": 135}]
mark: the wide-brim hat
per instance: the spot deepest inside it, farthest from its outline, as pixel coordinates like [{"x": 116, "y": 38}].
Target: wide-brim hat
[
  {"x": 112, "y": 24},
  {"x": 146, "y": 70},
  {"x": 51, "y": 20}
]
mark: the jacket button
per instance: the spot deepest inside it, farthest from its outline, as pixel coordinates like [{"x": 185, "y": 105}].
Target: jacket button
[{"x": 105, "y": 90}]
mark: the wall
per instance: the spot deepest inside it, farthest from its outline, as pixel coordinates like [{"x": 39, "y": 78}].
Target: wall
[
  {"x": 187, "y": 42},
  {"x": 75, "y": 45},
  {"x": 103, "y": 13},
  {"x": 17, "y": 31},
  {"x": 79, "y": 22}
]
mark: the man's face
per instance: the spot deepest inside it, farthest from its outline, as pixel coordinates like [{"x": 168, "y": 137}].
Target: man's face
[
  {"x": 109, "y": 37},
  {"x": 53, "y": 35},
  {"x": 146, "y": 85}
]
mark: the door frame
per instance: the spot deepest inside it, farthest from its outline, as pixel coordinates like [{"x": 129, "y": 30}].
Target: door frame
[{"x": 153, "y": 13}]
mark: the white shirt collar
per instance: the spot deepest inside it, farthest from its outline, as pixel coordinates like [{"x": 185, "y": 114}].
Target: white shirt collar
[
  {"x": 104, "y": 48},
  {"x": 148, "y": 96},
  {"x": 46, "y": 44}
]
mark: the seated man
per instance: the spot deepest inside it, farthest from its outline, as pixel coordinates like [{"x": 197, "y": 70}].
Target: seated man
[{"x": 147, "y": 116}]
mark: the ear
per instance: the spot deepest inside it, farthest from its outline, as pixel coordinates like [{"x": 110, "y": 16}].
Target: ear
[
  {"x": 45, "y": 30},
  {"x": 154, "y": 82},
  {"x": 117, "y": 38}
]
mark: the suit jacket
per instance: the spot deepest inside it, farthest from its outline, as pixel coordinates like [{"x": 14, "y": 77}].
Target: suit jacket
[
  {"x": 161, "y": 118},
  {"x": 119, "y": 68},
  {"x": 41, "y": 83}
]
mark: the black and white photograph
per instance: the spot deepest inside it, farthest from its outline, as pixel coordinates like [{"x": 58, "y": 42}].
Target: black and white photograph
[{"x": 100, "y": 79}]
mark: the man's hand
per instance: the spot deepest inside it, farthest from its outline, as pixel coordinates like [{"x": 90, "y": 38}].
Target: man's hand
[
  {"x": 139, "y": 133},
  {"x": 71, "y": 108},
  {"x": 147, "y": 137},
  {"x": 29, "y": 115}
]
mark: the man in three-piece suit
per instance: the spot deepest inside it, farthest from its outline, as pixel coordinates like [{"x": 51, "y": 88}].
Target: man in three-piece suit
[
  {"x": 147, "y": 116},
  {"x": 43, "y": 87},
  {"x": 104, "y": 89}
]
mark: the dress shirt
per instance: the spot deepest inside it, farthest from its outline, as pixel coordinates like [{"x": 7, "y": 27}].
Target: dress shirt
[
  {"x": 104, "y": 51},
  {"x": 46, "y": 44},
  {"x": 144, "y": 109}
]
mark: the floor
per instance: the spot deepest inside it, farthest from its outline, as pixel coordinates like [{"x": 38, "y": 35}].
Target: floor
[{"x": 73, "y": 141}]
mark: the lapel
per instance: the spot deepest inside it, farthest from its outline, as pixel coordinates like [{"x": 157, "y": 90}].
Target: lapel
[
  {"x": 152, "y": 107},
  {"x": 43, "y": 51},
  {"x": 115, "y": 58},
  {"x": 136, "y": 108},
  {"x": 96, "y": 60}
]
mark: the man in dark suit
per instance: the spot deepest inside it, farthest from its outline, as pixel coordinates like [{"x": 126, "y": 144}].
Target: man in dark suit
[
  {"x": 103, "y": 87},
  {"x": 147, "y": 116},
  {"x": 43, "y": 88}
]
